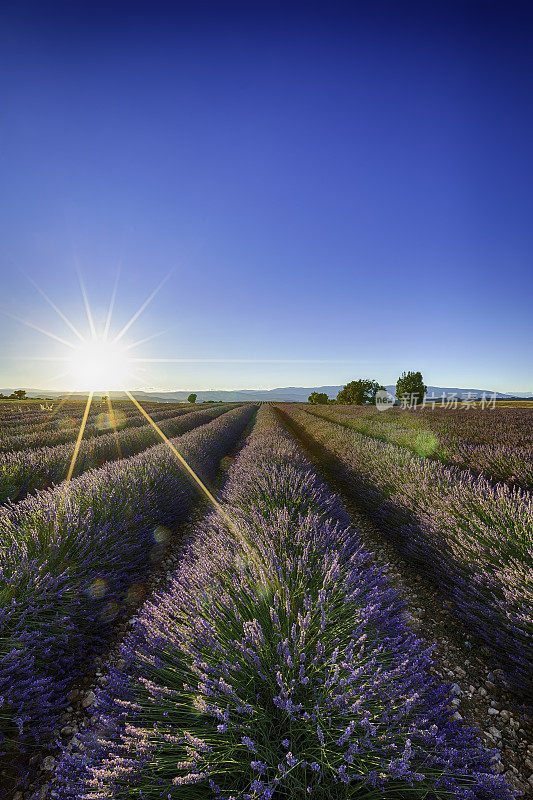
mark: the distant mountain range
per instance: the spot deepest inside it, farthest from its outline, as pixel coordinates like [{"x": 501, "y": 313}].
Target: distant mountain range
[{"x": 294, "y": 394}]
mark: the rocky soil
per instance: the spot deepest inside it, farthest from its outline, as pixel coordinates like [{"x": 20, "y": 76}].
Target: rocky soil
[{"x": 481, "y": 697}]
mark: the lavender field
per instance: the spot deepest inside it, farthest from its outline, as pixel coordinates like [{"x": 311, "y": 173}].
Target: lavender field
[
  {"x": 498, "y": 446},
  {"x": 243, "y": 601},
  {"x": 468, "y": 532},
  {"x": 266, "y": 400}
]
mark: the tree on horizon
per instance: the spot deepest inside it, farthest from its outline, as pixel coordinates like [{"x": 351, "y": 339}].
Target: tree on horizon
[
  {"x": 318, "y": 399},
  {"x": 359, "y": 392},
  {"x": 411, "y": 384}
]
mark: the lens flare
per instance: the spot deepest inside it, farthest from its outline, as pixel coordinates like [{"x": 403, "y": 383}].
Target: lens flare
[
  {"x": 161, "y": 534},
  {"x": 97, "y": 589},
  {"x": 135, "y": 594},
  {"x": 109, "y": 420},
  {"x": 66, "y": 424}
]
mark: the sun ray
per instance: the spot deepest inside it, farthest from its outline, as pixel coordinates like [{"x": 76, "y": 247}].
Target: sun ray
[
  {"x": 54, "y": 306},
  {"x": 40, "y": 330},
  {"x": 111, "y": 305},
  {"x": 140, "y": 310},
  {"x": 146, "y": 339},
  {"x": 113, "y": 423},
  {"x": 212, "y": 499},
  {"x": 248, "y": 547},
  {"x": 57, "y": 377},
  {"x": 80, "y": 437},
  {"x": 136, "y": 374},
  {"x": 60, "y": 404},
  {"x": 86, "y": 304}
]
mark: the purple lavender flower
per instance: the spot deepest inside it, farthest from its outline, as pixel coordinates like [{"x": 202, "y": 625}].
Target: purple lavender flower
[
  {"x": 72, "y": 559},
  {"x": 369, "y": 720}
]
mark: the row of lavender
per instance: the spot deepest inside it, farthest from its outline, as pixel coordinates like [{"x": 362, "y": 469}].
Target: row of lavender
[
  {"x": 29, "y": 470},
  {"x": 475, "y": 540},
  {"x": 31, "y": 415},
  {"x": 72, "y": 560},
  {"x": 491, "y": 425},
  {"x": 499, "y": 425},
  {"x": 63, "y": 429},
  {"x": 277, "y": 665},
  {"x": 497, "y": 443}
]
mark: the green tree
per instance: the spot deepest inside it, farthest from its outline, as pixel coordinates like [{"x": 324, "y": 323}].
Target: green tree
[
  {"x": 192, "y": 398},
  {"x": 19, "y": 394},
  {"x": 359, "y": 392},
  {"x": 318, "y": 398},
  {"x": 411, "y": 385}
]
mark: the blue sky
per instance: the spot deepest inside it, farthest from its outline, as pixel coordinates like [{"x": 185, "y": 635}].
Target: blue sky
[{"x": 338, "y": 191}]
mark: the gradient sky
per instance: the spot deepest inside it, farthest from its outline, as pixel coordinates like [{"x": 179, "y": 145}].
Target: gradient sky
[{"x": 338, "y": 191}]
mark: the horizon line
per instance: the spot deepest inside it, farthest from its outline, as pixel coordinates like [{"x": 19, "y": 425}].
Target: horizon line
[{"x": 244, "y": 389}]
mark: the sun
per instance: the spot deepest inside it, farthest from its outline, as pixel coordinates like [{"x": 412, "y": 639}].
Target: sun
[
  {"x": 100, "y": 365},
  {"x": 98, "y": 360}
]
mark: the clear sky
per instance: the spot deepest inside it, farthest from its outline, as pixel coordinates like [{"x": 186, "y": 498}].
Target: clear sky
[{"x": 339, "y": 191}]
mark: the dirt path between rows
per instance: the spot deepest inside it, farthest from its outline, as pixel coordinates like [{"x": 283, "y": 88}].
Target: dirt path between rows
[{"x": 480, "y": 697}]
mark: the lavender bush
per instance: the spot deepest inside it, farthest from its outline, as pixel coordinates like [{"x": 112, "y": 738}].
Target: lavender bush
[
  {"x": 495, "y": 443},
  {"x": 277, "y": 665},
  {"x": 475, "y": 540},
  {"x": 31, "y": 416},
  {"x": 73, "y": 558},
  {"x": 24, "y": 472},
  {"x": 61, "y": 429},
  {"x": 35, "y": 419}
]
